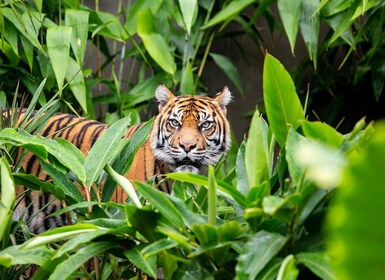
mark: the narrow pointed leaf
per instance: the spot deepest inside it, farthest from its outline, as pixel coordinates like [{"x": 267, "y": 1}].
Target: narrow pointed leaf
[
  {"x": 319, "y": 263},
  {"x": 58, "y": 45},
  {"x": 78, "y": 20},
  {"x": 187, "y": 83},
  {"x": 188, "y": 8},
  {"x": 74, "y": 76},
  {"x": 104, "y": 149},
  {"x": 290, "y": 12},
  {"x": 8, "y": 196}
]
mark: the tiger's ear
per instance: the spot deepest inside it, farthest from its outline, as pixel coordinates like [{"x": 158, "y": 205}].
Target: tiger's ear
[
  {"x": 163, "y": 95},
  {"x": 223, "y": 98}
]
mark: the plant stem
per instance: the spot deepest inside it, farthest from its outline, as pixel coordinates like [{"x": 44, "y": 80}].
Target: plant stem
[{"x": 204, "y": 58}]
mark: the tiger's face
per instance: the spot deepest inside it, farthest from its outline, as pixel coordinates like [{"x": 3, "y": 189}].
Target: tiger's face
[{"x": 190, "y": 132}]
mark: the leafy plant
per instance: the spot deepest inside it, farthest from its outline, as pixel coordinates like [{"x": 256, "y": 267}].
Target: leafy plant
[{"x": 261, "y": 222}]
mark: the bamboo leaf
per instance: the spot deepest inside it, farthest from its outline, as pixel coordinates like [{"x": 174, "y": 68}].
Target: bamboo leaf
[
  {"x": 148, "y": 265},
  {"x": 290, "y": 12},
  {"x": 187, "y": 83},
  {"x": 229, "y": 69},
  {"x": 154, "y": 42},
  {"x": 74, "y": 76},
  {"x": 283, "y": 107},
  {"x": 78, "y": 20},
  {"x": 58, "y": 46},
  {"x": 15, "y": 255},
  {"x": 229, "y": 12},
  {"x": 188, "y": 8},
  {"x": 104, "y": 149}
]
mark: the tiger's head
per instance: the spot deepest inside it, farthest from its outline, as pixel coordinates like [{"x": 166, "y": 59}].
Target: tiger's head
[{"x": 190, "y": 132}]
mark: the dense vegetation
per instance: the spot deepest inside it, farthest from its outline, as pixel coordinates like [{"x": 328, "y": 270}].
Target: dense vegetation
[{"x": 270, "y": 210}]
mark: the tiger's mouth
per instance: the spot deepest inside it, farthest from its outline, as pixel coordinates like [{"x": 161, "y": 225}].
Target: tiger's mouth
[{"x": 187, "y": 162}]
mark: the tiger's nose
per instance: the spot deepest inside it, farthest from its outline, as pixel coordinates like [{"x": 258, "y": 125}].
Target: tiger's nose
[{"x": 187, "y": 146}]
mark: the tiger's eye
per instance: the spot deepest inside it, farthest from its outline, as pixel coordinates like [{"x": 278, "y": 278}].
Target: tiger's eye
[
  {"x": 206, "y": 125},
  {"x": 174, "y": 123}
]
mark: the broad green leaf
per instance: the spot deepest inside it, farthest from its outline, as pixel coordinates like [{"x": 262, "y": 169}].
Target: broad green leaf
[
  {"x": 189, "y": 217},
  {"x": 187, "y": 83},
  {"x": 58, "y": 46},
  {"x": 257, "y": 152},
  {"x": 272, "y": 204},
  {"x": 290, "y": 12},
  {"x": 154, "y": 42},
  {"x": 148, "y": 265},
  {"x": 288, "y": 270},
  {"x": 74, "y": 76},
  {"x": 223, "y": 188},
  {"x": 104, "y": 149},
  {"x": 319, "y": 163},
  {"x": 8, "y": 196},
  {"x": 229, "y": 12},
  {"x": 356, "y": 219},
  {"x": 282, "y": 104},
  {"x": 188, "y": 8},
  {"x": 319, "y": 263},
  {"x": 28, "y": 51},
  {"x": 322, "y": 132},
  {"x": 225, "y": 64},
  {"x": 270, "y": 271},
  {"x": 78, "y": 20},
  {"x": 15, "y": 255},
  {"x": 309, "y": 23},
  {"x": 257, "y": 253},
  {"x": 162, "y": 203},
  {"x": 8, "y": 51},
  {"x": 67, "y": 267}
]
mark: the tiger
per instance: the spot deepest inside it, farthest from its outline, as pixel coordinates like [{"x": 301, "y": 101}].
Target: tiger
[{"x": 189, "y": 133}]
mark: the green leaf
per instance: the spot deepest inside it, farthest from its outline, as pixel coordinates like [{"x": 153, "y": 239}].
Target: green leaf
[
  {"x": 78, "y": 20},
  {"x": 256, "y": 153},
  {"x": 8, "y": 196},
  {"x": 28, "y": 25},
  {"x": 288, "y": 270},
  {"x": 67, "y": 267},
  {"x": 319, "y": 263},
  {"x": 58, "y": 45},
  {"x": 148, "y": 265},
  {"x": 212, "y": 197},
  {"x": 28, "y": 51},
  {"x": 229, "y": 12},
  {"x": 322, "y": 132},
  {"x": 154, "y": 42},
  {"x": 282, "y": 104},
  {"x": 124, "y": 160},
  {"x": 223, "y": 187},
  {"x": 321, "y": 164},
  {"x": 188, "y": 8},
  {"x": 356, "y": 218},
  {"x": 257, "y": 253},
  {"x": 242, "y": 183},
  {"x": 77, "y": 84},
  {"x": 229, "y": 69},
  {"x": 15, "y": 255},
  {"x": 290, "y": 14},
  {"x": 157, "y": 247},
  {"x": 309, "y": 23},
  {"x": 162, "y": 203},
  {"x": 108, "y": 25},
  {"x": 105, "y": 148},
  {"x": 187, "y": 83}
]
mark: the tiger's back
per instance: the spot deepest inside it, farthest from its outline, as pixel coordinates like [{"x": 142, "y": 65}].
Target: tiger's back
[{"x": 189, "y": 133}]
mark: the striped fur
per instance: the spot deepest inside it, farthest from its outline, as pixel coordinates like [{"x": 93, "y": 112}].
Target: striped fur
[{"x": 189, "y": 133}]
